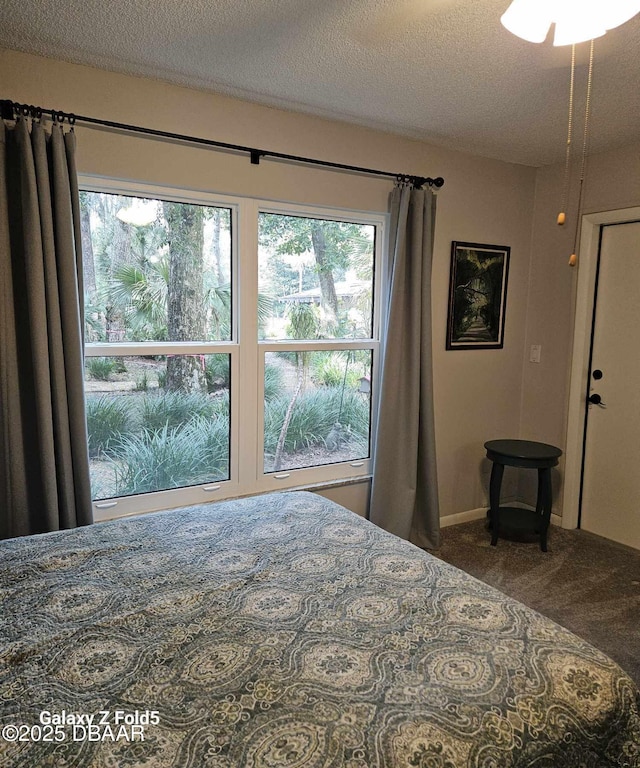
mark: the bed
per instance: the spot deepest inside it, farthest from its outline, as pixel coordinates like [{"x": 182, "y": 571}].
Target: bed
[{"x": 283, "y": 631}]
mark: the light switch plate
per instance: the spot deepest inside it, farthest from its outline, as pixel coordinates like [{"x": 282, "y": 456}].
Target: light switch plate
[{"x": 536, "y": 351}]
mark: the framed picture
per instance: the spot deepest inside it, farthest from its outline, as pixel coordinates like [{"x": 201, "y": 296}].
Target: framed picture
[{"x": 477, "y": 295}]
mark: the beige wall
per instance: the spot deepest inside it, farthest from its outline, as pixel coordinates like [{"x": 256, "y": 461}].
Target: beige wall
[
  {"x": 612, "y": 182},
  {"x": 354, "y": 496},
  {"x": 478, "y": 394}
]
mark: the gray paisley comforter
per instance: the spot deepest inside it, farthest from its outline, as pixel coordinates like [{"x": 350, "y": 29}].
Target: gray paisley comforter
[{"x": 282, "y": 631}]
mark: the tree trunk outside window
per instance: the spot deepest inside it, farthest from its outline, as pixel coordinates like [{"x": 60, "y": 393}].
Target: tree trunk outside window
[
  {"x": 186, "y": 312},
  {"x": 325, "y": 273}
]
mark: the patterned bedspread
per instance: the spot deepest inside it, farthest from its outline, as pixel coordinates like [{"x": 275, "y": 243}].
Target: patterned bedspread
[{"x": 282, "y": 631}]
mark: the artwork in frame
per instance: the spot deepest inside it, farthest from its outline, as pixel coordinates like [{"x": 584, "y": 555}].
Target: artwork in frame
[{"x": 477, "y": 295}]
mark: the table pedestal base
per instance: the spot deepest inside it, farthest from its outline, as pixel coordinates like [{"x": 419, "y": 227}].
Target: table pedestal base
[{"x": 518, "y": 524}]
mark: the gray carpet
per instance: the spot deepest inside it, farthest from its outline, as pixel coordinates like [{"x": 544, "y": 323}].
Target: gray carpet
[{"x": 587, "y": 584}]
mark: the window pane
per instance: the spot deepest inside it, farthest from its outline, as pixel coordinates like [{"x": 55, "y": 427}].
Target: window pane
[
  {"x": 316, "y": 278},
  {"x": 145, "y": 434},
  {"x": 155, "y": 270},
  {"x": 316, "y": 408}
]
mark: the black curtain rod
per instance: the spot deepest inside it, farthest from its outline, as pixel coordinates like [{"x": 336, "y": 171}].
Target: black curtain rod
[{"x": 9, "y": 110}]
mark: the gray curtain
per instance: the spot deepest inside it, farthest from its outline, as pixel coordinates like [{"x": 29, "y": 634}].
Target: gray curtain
[
  {"x": 44, "y": 464},
  {"x": 404, "y": 495}
]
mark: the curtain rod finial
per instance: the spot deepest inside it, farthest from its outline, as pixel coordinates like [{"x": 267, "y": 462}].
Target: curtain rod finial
[{"x": 6, "y": 109}]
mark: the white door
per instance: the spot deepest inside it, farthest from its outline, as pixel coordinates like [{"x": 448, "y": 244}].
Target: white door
[{"x": 611, "y": 482}]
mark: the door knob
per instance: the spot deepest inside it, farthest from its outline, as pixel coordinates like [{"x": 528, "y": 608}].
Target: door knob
[{"x": 595, "y": 399}]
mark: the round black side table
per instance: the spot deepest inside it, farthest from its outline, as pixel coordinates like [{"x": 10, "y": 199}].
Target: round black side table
[{"x": 531, "y": 455}]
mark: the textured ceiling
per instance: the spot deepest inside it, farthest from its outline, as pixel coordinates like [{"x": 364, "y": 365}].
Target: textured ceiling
[{"x": 445, "y": 71}]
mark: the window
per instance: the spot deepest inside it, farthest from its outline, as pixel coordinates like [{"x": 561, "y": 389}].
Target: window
[
  {"x": 318, "y": 277},
  {"x": 230, "y": 345}
]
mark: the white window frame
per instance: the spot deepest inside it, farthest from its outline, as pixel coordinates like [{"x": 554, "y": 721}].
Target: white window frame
[{"x": 247, "y": 353}]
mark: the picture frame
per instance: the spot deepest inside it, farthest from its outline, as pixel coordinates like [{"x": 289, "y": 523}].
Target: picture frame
[{"x": 477, "y": 295}]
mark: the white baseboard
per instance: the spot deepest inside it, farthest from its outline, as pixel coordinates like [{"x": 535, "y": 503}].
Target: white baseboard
[
  {"x": 481, "y": 512},
  {"x": 463, "y": 517}
]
